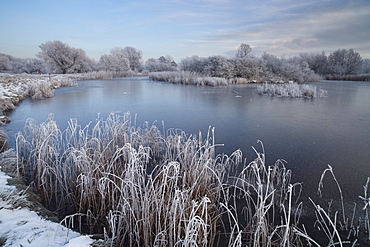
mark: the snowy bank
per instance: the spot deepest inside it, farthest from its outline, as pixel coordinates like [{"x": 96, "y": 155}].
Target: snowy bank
[
  {"x": 20, "y": 226},
  {"x": 14, "y": 88}
]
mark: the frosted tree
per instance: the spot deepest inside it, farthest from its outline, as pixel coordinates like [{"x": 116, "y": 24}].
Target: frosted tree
[
  {"x": 344, "y": 62},
  {"x": 365, "y": 66},
  {"x": 317, "y": 62},
  {"x": 193, "y": 63},
  {"x": 165, "y": 59},
  {"x": 27, "y": 65},
  {"x": 61, "y": 58},
  {"x": 5, "y": 62},
  {"x": 272, "y": 63},
  {"x": 134, "y": 56},
  {"x": 291, "y": 69},
  {"x": 115, "y": 61},
  {"x": 164, "y": 63},
  {"x": 218, "y": 66},
  {"x": 84, "y": 63},
  {"x": 243, "y": 51},
  {"x": 251, "y": 68}
]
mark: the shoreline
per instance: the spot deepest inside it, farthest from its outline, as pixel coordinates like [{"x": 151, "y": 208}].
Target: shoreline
[{"x": 16, "y": 87}]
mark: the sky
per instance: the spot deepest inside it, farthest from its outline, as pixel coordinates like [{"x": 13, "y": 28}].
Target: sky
[{"x": 182, "y": 28}]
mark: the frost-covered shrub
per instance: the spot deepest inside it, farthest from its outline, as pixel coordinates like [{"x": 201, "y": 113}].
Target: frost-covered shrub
[{"x": 40, "y": 89}]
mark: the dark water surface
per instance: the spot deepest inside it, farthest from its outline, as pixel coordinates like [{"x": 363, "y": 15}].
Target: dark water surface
[{"x": 307, "y": 133}]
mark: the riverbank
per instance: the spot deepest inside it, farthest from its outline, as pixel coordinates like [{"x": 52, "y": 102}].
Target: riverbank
[{"x": 16, "y": 87}]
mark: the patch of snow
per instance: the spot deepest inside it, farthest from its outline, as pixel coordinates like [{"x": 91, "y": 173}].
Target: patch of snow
[{"x": 23, "y": 227}]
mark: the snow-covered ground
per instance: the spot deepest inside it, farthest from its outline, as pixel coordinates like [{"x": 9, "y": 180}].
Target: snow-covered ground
[
  {"x": 16, "y": 87},
  {"x": 19, "y": 226}
]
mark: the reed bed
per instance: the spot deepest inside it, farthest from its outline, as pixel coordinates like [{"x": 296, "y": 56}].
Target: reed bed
[
  {"x": 291, "y": 90},
  {"x": 138, "y": 186},
  {"x": 187, "y": 78},
  {"x": 108, "y": 74},
  {"x": 361, "y": 77}
]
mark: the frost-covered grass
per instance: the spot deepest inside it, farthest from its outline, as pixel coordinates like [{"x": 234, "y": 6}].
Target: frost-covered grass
[
  {"x": 193, "y": 78},
  {"x": 108, "y": 74},
  {"x": 3, "y": 140},
  {"x": 291, "y": 90},
  {"x": 140, "y": 187},
  {"x": 20, "y": 226},
  {"x": 188, "y": 78}
]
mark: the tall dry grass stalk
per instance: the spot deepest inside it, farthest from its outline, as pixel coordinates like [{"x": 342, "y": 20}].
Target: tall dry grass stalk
[
  {"x": 366, "y": 208},
  {"x": 3, "y": 140},
  {"x": 266, "y": 204},
  {"x": 339, "y": 228},
  {"x": 140, "y": 187}
]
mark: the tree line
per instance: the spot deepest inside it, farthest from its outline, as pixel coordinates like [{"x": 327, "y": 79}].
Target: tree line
[
  {"x": 59, "y": 57},
  {"x": 270, "y": 68}
]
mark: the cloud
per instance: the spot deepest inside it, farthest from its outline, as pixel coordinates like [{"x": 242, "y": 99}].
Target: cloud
[{"x": 301, "y": 28}]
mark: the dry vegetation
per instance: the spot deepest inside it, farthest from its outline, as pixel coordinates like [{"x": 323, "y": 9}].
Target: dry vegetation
[
  {"x": 193, "y": 78},
  {"x": 291, "y": 90},
  {"x": 3, "y": 140},
  {"x": 138, "y": 186}
]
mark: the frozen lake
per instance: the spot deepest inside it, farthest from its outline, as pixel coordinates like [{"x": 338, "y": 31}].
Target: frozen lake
[{"x": 307, "y": 133}]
